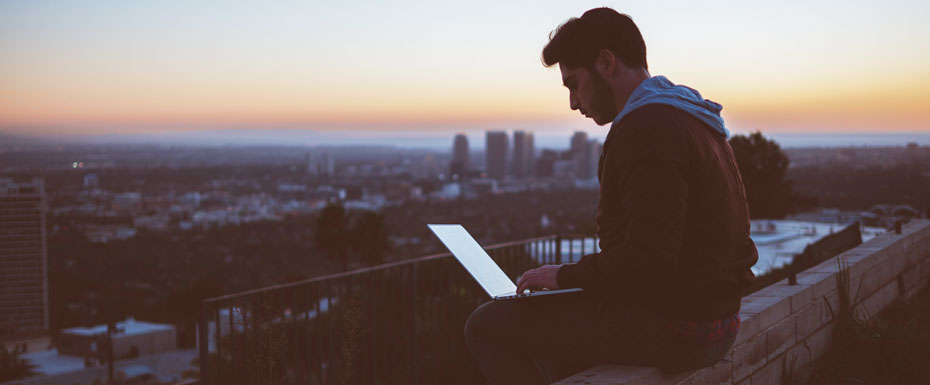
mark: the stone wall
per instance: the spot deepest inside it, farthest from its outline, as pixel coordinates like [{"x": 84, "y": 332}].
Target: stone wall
[{"x": 787, "y": 327}]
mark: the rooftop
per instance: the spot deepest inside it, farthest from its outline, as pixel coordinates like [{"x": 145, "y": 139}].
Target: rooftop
[
  {"x": 778, "y": 241},
  {"x": 128, "y": 327}
]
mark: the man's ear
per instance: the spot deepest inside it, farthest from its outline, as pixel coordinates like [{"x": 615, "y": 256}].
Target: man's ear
[{"x": 606, "y": 63}]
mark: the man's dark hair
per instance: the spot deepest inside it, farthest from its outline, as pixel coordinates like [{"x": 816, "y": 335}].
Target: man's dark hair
[{"x": 577, "y": 42}]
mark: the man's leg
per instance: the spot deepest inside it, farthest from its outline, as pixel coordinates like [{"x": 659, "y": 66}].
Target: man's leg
[
  {"x": 570, "y": 330},
  {"x": 500, "y": 361},
  {"x": 575, "y": 332}
]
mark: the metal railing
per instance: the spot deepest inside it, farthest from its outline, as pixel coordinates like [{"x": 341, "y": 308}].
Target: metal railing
[{"x": 397, "y": 323}]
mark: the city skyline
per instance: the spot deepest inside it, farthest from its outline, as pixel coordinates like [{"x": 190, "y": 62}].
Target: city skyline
[
  {"x": 166, "y": 68},
  {"x": 431, "y": 141}
]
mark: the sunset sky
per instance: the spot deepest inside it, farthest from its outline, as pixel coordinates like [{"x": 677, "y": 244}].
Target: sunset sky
[{"x": 126, "y": 67}]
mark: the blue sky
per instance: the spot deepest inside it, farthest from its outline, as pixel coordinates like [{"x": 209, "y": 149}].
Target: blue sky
[{"x": 115, "y": 67}]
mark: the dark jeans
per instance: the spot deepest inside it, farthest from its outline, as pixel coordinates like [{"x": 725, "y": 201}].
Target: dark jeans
[{"x": 573, "y": 332}]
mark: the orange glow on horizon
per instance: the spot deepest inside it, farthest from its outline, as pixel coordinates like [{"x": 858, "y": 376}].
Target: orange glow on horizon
[
  {"x": 71, "y": 72},
  {"x": 894, "y": 109}
]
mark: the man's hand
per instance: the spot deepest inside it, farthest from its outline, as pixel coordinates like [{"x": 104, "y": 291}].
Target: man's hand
[{"x": 539, "y": 278}]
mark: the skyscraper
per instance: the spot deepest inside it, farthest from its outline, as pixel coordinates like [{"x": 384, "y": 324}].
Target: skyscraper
[
  {"x": 523, "y": 154},
  {"x": 594, "y": 156},
  {"x": 581, "y": 155},
  {"x": 496, "y": 147},
  {"x": 579, "y": 141},
  {"x": 23, "y": 256},
  {"x": 459, "y": 164},
  {"x": 328, "y": 164},
  {"x": 313, "y": 167},
  {"x": 545, "y": 165},
  {"x": 320, "y": 164}
]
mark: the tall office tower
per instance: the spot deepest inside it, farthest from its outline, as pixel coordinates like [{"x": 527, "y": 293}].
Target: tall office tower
[
  {"x": 581, "y": 155},
  {"x": 531, "y": 154},
  {"x": 23, "y": 261},
  {"x": 320, "y": 164},
  {"x": 328, "y": 164},
  {"x": 495, "y": 149},
  {"x": 579, "y": 141},
  {"x": 594, "y": 156},
  {"x": 459, "y": 164},
  {"x": 545, "y": 165},
  {"x": 523, "y": 154},
  {"x": 313, "y": 167}
]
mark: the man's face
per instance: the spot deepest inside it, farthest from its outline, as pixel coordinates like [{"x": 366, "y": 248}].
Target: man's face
[{"x": 589, "y": 93}]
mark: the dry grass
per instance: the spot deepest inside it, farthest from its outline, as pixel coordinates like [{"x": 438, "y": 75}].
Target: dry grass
[{"x": 891, "y": 348}]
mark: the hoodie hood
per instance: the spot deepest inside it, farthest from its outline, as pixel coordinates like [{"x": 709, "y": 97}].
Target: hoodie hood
[{"x": 659, "y": 90}]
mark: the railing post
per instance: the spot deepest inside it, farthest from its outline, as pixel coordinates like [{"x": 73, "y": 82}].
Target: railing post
[
  {"x": 571, "y": 249},
  {"x": 558, "y": 249},
  {"x": 792, "y": 274},
  {"x": 202, "y": 340},
  {"x": 372, "y": 322},
  {"x": 416, "y": 339}
]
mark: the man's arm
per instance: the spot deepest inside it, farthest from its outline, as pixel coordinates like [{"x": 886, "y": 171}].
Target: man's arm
[
  {"x": 650, "y": 164},
  {"x": 539, "y": 278}
]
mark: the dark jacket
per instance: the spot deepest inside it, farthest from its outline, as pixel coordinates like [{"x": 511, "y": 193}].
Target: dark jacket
[{"x": 672, "y": 219}]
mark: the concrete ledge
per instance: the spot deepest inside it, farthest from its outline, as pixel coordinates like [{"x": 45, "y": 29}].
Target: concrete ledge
[{"x": 787, "y": 327}]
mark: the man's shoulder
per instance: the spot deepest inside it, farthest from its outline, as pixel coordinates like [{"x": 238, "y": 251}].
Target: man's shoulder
[
  {"x": 652, "y": 121},
  {"x": 655, "y": 115}
]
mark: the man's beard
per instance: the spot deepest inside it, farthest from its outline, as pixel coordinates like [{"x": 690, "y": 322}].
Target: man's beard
[{"x": 604, "y": 108}]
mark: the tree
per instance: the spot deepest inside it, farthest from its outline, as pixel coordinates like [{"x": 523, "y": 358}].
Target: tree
[
  {"x": 370, "y": 237},
  {"x": 762, "y": 165},
  {"x": 11, "y": 366},
  {"x": 331, "y": 234}
]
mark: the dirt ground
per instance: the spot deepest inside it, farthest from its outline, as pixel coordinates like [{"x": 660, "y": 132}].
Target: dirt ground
[{"x": 893, "y": 348}]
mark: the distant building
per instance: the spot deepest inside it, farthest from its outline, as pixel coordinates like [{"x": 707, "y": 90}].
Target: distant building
[
  {"x": 106, "y": 233},
  {"x": 156, "y": 222},
  {"x": 91, "y": 181},
  {"x": 593, "y": 156},
  {"x": 564, "y": 169},
  {"x": 312, "y": 168},
  {"x": 190, "y": 199},
  {"x": 496, "y": 154},
  {"x": 779, "y": 241},
  {"x": 23, "y": 256},
  {"x": 477, "y": 188},
  {"x": 581, "y": 155},
  {"x": 131, "y": 338},
  {"x": 579, "y": 141},
  {"x": 320, "y": 164},
  {"x": 459, "y": 165},
  {"x": 523, "y": 154},
  {"x": 126, "y": 200},
  {"x": 328, "y": 164},
  {"x": 903, "y": 211},
  {"x": 545, "y": 165},
  {"x": 401, "y": 192},
  {"x": 449, "y": 191},
  {"x": 428, "y": 168}
]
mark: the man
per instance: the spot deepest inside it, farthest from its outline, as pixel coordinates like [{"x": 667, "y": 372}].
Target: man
[{"x": 672, "y": 219}]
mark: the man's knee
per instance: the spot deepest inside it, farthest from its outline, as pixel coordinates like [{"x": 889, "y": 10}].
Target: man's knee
[
  {"x": 475, "y": 323},
  {"x": 484, "y": 319}
]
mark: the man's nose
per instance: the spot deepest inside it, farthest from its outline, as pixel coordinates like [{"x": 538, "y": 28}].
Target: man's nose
[{"x": 573, "y": 103}]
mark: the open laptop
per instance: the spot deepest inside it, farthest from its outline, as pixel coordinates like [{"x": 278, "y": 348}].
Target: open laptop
[{"x": 480, "y": 265}]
